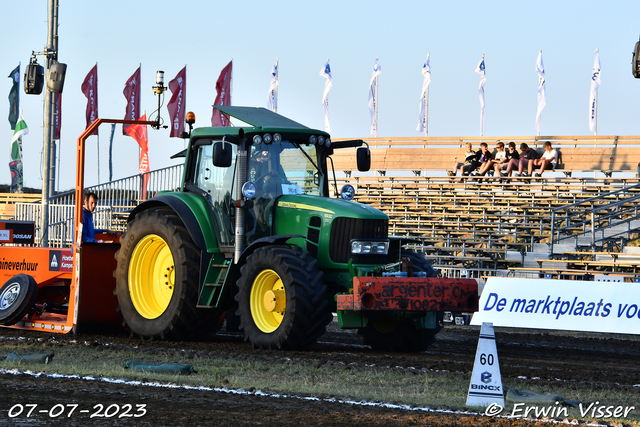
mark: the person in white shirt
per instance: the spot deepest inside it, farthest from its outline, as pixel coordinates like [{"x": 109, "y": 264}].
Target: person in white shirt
[
  {"x": 548, "y": 160},
  {"x": 500, "y": 157}
]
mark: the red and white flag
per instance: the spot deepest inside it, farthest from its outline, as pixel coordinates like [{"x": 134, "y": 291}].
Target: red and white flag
[
  {"x": 132, "y": 94},
  {"x": 223, "y": 86},
  {"x": 139, "y": 133},
  {"x": 57, "y": 117},
  {"x": 90, "y": 90},
  {"x": 177, "y": 105}
]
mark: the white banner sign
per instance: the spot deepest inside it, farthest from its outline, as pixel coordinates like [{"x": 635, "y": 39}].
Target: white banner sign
[{"x": 560, "y": 304}]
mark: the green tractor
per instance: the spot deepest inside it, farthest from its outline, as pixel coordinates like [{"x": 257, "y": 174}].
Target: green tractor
[{"x": 253, "y": 234}]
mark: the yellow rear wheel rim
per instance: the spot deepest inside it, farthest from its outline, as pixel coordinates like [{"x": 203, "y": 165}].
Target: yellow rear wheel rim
[
  {"x": 151, "y": 276},
  {"x": 267, "y": 301}
]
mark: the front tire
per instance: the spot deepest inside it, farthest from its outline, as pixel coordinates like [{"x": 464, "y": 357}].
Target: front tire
[
  {"x": 281, "y": 299},
  {"x": 157, "y": 278},
  {"x": 17, "y": 297}
]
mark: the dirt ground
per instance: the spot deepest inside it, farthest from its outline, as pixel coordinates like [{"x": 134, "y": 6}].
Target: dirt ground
[{"x": 583, "y": 361}]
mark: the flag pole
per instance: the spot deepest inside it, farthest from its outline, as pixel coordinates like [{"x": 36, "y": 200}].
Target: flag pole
[
  {"x": 278, "y": 80},
  {"x": 375, "y": 103},
  {"x": 595, "y": 127},
  {"x": 426, "y": 108},
  {"x": 482, "y": 113},
  {"x": 98, "y": 157},
  {"x": 540, "y": 111}
]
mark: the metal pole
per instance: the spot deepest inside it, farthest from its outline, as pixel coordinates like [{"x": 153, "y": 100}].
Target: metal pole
[
  {"x": 46, "y": 145},
  {"x": 52, "y": 121}
]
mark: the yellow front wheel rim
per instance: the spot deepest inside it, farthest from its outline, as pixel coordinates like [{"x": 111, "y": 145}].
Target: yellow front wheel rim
[
  {"x": 151, "y": 276},
  {"x": 267, "y": 301}
]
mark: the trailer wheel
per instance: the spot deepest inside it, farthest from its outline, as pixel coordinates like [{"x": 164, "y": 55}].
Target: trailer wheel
[
  {"x": 392, "y": 334},
  {"x": 157, "y": 278},
  {"x": 281, "y": 299},
  {"x": 17, "y": 297}
]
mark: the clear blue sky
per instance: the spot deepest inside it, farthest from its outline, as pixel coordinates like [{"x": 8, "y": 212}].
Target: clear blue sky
[{"x": 206, "y": 35}]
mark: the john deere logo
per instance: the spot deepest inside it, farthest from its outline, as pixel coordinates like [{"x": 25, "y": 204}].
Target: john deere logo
[{"x": 485, "y": 377}]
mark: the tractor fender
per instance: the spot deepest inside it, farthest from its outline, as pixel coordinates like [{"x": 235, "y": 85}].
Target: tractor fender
[
  {"x": 182, "y": 210},
  {"x": 280, "y": 239}
]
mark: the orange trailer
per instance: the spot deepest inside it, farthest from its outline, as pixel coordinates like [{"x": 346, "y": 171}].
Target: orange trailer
[{"x": 58, "y": 290}]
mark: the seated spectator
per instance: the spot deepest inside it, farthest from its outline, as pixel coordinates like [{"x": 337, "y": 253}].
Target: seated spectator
[
  {"x": 499, "y": 158},
  {"x": 469, "y": 158},
  {"x": 527, "y": 156},
  {"x": 513, "y": 157},
  {"x": 549, "y": 160},
  {"x": 483, "y": 159}
]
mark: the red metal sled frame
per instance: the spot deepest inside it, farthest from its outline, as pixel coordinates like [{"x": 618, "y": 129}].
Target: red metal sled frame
[{"x": 90, "y": 280}]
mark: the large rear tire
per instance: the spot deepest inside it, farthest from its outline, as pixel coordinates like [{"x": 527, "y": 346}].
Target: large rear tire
[
  {"x": 157, "y": 278},
  {"x": 386, "y": 333},
  {"x": 281, "y": 299},
  {"x": 17, "y": 297}
]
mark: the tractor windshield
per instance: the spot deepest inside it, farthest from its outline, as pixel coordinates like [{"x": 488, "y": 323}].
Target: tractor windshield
[{"x": 283, "y": 168}]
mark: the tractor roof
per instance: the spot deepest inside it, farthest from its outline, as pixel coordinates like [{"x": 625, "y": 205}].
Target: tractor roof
[{"x": 259, "y": 117}]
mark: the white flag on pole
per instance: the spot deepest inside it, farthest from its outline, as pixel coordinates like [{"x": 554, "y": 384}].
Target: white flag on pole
[
  {"x": 326, "y": 73},
  {"x": 542, "y": 92},
  {"x": 272, "y": 100},
  {"x": 424, "y": 98},
  {"x": 480, "y": 70},
  {"x": 373, "y": 98},
  {"x": 593, "y": 97}
]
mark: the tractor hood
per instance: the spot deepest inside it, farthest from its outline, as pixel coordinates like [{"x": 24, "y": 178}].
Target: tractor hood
[
  {"x": 330, "y": 208},
  {"x": 327, "y": 226}
]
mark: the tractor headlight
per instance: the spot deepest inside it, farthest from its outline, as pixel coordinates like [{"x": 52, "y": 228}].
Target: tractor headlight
[
  {"x": 266, "y": 138},
  {"x": 369, "y": 247},
  {"x": 313, "y": 139},
  {"x": 257, "y": 140},
  {"x": 249, "y": 190},
  {"x": 327, "y": 142},
  {"x": 277, "y": 137},
  {"x": 347, "y": 192},
  {"x": 320, "y": 140}
]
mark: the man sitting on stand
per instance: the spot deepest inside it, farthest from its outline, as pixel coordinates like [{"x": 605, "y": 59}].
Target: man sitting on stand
[{"x": 549, "y": 160}]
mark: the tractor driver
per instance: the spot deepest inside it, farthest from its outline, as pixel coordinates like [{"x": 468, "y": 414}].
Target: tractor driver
[
  {"x": 88, "y": 230},
  {"x": 266, "y": 173},
  {"x": 268, "y": 176}
]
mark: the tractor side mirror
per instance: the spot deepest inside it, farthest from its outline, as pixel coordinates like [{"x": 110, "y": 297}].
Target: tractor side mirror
[
  {"x": 363, "y": 157},
  {"x": 222, "y": 154}
]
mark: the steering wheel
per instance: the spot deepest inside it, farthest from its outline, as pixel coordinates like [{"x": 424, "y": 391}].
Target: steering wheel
[{"x": 272, "y": 184}]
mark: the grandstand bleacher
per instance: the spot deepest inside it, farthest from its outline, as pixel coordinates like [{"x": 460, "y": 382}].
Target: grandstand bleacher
[
  {"x": 575, "y": 222},
  {"x": 473, "y": 227}
]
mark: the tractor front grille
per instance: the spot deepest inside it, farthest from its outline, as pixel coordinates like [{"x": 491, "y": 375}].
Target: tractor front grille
[{"x": 343, "y": 230}]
